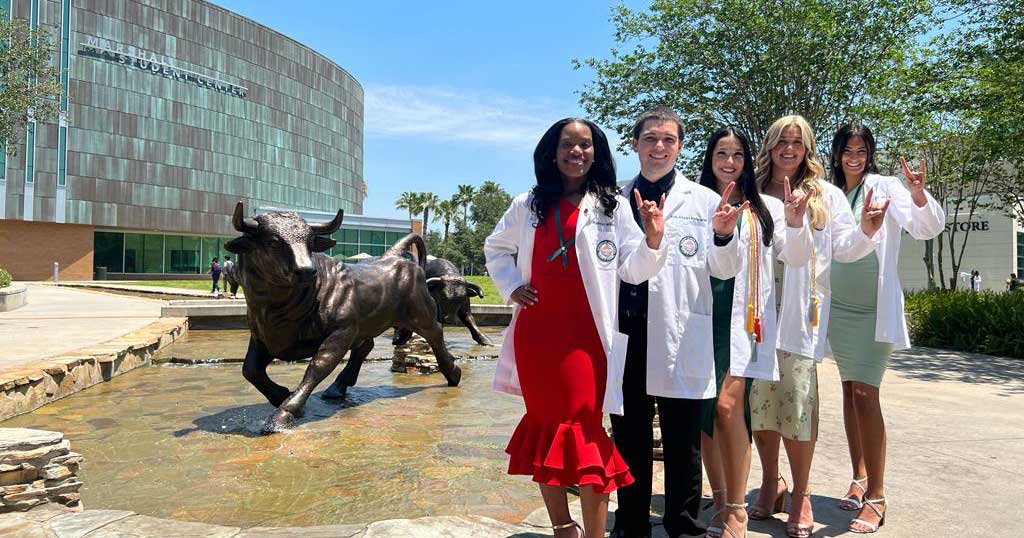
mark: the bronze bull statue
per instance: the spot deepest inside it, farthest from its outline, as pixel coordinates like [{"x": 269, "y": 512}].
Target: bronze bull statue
[
  {"x": 451, "y": 292},
  {"x": 303, "y": 304}
]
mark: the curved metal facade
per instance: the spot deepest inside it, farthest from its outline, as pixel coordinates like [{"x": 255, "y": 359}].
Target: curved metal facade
[{"x": 176, "y": 110}]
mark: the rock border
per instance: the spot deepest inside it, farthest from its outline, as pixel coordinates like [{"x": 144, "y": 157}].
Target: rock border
[{"x": 27, "y": 387}]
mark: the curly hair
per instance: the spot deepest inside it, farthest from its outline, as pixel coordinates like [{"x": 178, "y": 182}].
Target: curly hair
[
  {"x": 600, "y": 180},
  {"x": 809, "y": 174}
]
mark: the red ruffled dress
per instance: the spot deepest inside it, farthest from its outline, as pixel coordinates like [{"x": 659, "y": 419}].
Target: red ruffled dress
[{"x": 562, "y": 371}]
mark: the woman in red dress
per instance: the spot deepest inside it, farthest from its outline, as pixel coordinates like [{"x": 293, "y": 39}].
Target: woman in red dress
[{"x": 558, "y": 254}]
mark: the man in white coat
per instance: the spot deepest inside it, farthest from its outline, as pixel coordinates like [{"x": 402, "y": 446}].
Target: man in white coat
[{"x": 669, "y": 357}]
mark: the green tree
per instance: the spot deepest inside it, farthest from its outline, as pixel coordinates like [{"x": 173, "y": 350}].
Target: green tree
[
  {"x": 408, "y": 201},
  {"x": 428, "y": 201},
  {"x": 464, "y": 197},
  {"x": 489, "y": 204},
  {"x": 29, "y": 84},
  {"x": 746, "y": 63},
  {"x": 446, "y": 210}
]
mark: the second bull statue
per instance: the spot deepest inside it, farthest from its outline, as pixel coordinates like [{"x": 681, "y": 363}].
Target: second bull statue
[{"x": 303, "y": 304}]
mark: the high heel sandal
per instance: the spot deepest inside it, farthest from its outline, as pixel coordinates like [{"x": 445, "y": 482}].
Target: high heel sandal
[
  {"x": 872, "y": 528},
  {"x": 570, "y": 525},
  {"x": 758, "y": 512},
  {"x": 713, "y": 530},
  {"x": 795, "y": 529},
  {"x": 851, "y": 502},
  {"x": 727, "y": 528}
]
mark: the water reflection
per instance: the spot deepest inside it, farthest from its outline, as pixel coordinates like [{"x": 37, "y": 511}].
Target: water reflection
[{"x": 179, "y": 441}]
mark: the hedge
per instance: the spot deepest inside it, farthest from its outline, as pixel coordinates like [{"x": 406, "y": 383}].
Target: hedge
[
  {"x": 5, "y": 278},
  {"x": 987, "y": 322}
]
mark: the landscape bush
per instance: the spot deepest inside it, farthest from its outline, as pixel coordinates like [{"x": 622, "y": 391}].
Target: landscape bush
[
  {"x": 5, "y": 278},
  {"x": 987, "y": 322}
]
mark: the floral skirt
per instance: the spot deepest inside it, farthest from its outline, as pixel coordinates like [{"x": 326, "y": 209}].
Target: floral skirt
[{"x": 786, "y": 406}]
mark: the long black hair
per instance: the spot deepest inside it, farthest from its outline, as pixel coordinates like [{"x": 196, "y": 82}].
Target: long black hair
[
  {"x": 600, "y": 179},
  {"x": 839, "y": 142},
  {"x": 747, "y": 182}
]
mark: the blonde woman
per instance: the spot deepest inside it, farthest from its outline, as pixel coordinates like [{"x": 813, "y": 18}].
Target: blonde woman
[{"x": 788, "y": 409}]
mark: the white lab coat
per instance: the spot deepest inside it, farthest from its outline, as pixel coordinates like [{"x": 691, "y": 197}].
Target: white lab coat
[
  {"x": 841, "y": 240},
  {"x": 680, "y": 347},
  {"x": 793, "y": 247},
  {"x": 921, "y": 223},
  {"x": 509, "y": 253}
]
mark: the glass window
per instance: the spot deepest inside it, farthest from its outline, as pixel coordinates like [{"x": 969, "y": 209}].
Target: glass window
[
  {"x": 1020, "y": 254},
  {"x": 346, "y": 250},
  {"x": 30, "y": 152},
  {"x": 376, "y": 238},
  {"x": 211, "y": 248},
  {"x": 182, "y": 254},
  {"x": 393, "y": 237},
  {"x": 375, "y": 250},
  {"x": 108, "y": 251},
  {"x": 349, "y": 235},
  {"x": 133, "y": 253},
  {"x": 153, "y": 259},
  {"x": 62, "y": 144}
]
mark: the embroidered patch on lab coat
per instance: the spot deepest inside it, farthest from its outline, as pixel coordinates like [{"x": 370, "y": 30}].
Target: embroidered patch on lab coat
[
  {"x": 688, "y": 246},
  {"x": 606, "y": 250}
]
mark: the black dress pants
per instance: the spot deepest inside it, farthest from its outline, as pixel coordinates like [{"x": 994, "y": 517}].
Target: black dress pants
[{"x": 633, "y": 433}]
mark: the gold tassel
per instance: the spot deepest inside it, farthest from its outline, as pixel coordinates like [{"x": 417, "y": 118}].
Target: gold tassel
[
  {"x": 814, "y": 312},
  {"x": 750, "y": 318}
]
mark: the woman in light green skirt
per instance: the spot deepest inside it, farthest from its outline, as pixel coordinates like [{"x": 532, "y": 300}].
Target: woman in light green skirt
[{"x": 867, "y": 311}]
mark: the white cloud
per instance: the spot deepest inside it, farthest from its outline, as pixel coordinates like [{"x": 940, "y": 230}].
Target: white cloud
[{"x": 446, "y": 114}]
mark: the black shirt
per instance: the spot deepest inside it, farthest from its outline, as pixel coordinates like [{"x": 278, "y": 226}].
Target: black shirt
[{"x": 633, "y": 299}]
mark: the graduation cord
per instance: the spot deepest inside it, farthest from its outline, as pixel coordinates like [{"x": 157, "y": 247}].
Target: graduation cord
[
  {"x": 814, "y": 283},
  {"x": 753, "y": 278},
  {"x": 564, "y": 245}
]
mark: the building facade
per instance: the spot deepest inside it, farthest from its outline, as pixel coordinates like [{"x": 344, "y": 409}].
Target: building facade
[{"x": 172, "y": 111}]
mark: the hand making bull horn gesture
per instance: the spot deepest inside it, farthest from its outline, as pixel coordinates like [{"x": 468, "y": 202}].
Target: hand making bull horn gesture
[
  {"x": 653, "y": 216},
  {"x": 796, "y": 204},
  {"x": 724, "y": 219},
  {"x": 872, "y": 215},
  {"x": 916, "y": 182}
]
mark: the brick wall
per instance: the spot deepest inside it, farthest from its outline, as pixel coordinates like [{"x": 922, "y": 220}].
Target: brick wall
[{"x": 28, "y": 250}]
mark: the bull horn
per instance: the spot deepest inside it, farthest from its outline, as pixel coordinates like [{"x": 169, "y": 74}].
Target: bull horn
[
  {"x": 330, "y": 227},
  {"x": 434, "y": 280},
  {"x": 242, "y": 223},
  {"x": 475, "y": 287}
]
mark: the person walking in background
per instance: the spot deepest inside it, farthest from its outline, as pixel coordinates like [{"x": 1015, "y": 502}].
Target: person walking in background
[
  {"x": 215, "y": 275},
  {"x": 868, "y": 320},
  {"x": 230, "y": 277},
  {"x": 558, "y": 254},
  {"x": 788, "y": 409},
  {"x": 670, "y": 358},
  {"x": 975, "y": 274},
  {"x": 743, "y": 319},
  {"x": 1012, "y": 283}
]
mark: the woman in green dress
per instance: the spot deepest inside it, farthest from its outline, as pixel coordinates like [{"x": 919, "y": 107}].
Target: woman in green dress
[
  {"x": 867, "y": 310},
  {"x": 743, "y": 320}
]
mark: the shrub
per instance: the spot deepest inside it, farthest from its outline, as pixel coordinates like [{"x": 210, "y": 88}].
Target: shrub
[
  {"x": 5, "y": 278},
  {"x": 989, "y": 323}
]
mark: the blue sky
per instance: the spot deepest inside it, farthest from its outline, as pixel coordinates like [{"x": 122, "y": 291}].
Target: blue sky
[{"x": 456, "y": 91}]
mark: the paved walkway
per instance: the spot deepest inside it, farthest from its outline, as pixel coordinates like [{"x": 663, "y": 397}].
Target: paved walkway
[{"x": 58, "y": 320}]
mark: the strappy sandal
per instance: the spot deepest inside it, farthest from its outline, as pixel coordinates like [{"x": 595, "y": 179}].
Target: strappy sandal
[
  {"x": 795, "y": 529},
  {"x": 715, "y": 531},
  {"x": 872, "y": 528},
  {"x": 727, "y": 528},
  {"x": 758, "y": 512},
  {"x": 852, "y": 503},
  {"x": 568, "y": 526}
]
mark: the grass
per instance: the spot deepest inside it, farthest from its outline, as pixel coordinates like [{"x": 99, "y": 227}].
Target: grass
[{"x": 491, "y": 295}]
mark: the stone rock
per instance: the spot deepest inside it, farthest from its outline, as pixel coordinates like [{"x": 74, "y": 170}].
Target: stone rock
[
  {"x": 54, "y": 472},
  {"x": 17, "y": 474},
  {"x": 448, "y": 527},
  {"x": 21, "y": 506},
  {"x": 69, "y": 499},
  {"x": 17, "y": 488},
  {"x": 76, "y": 525},
  {"x": 31, "y": 493},
  {"x": 71, "y": 458},
  {"x": 325, "y": 531},
  {"x": 137, "y": 525},
  {"x": 412, "y": 363},
  {"x": 12, "y": 439},
  {"x": 39, "y": 456}
]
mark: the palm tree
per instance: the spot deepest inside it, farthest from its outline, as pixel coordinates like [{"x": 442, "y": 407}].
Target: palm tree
[
  {"x": 489, "y": 187},
  {"x": 446, "y": 209},
  {"x": 428, "y": 201},
  {"x": 464, "y": 197},
  {"x": 407, "y": 201}
]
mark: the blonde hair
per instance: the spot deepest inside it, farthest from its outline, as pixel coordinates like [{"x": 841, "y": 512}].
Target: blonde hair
[{"x": 810, "y": 173}]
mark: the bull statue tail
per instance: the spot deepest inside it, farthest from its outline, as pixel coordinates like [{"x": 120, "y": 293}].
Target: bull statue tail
[{"x": 413, "y": 245}]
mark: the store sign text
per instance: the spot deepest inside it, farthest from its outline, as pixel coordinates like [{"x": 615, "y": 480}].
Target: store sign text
[{"x": 157, "y": 64}]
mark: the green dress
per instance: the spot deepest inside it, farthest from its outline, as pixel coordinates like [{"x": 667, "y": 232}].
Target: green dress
[
  {"x": 721, "y": 325},
  {"x": 851, "y": 326}
]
